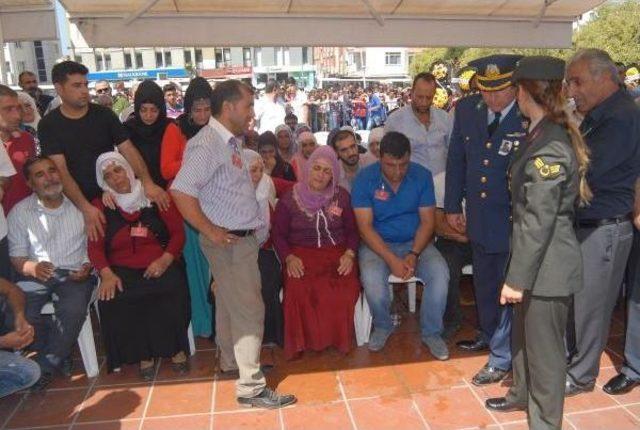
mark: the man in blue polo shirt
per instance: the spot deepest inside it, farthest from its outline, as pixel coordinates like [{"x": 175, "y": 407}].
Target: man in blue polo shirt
[{"x": 394, "y": 204}]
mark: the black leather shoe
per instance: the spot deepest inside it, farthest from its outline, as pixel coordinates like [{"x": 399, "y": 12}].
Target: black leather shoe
[
  {"x": 489, "y": 375},
  {"x": 571, "y": 389},
  {"x": 620, "y": 384},
  {"x": 501, "y": 404},
  {"x": 268, "y": 399},
  {"x": 473, "y": 345}
]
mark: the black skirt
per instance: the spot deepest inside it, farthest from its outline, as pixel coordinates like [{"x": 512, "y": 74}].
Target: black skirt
[
  {"x": 148, "y": 320},
  {"x": 271, "y": 278}
]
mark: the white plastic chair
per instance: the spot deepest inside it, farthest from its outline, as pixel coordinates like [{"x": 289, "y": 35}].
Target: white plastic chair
[
  {"x": 85, "y": 342},
  {"x": 411, "y": 289},
  {"x": 362, "y": 318}
]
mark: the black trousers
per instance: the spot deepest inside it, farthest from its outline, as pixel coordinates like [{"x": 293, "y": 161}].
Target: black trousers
[{"x": 457, "y": 255}]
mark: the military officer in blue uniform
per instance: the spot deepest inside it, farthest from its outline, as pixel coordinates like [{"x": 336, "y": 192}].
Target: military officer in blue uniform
[{"x": 487, "y": 130}]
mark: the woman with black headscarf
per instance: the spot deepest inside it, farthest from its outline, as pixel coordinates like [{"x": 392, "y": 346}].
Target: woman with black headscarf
[
  {"x": 197, "y": 111},
  {"x": 149, "y": 127}
]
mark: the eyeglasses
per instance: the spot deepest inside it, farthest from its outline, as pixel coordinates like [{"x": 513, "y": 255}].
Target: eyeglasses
[{"x": 102, "y": 90}]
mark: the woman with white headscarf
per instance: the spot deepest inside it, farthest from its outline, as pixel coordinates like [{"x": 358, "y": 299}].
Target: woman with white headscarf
[
  {"x": 270, "y": 270},
  {"x": 144, "y": 300},
  {"x": 30, "y": 114}
]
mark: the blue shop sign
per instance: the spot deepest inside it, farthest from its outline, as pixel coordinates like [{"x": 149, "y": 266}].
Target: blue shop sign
[{"x": 123, "y": 75}]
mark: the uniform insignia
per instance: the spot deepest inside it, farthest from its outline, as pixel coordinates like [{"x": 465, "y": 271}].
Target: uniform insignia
[
  {"x": 547, "y": 171},
  {"x": 492, "y": 71},
  {"x": 505, "y": 147}
]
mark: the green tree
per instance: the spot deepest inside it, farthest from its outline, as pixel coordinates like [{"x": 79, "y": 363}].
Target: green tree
[{"x": 615, "y": 28}]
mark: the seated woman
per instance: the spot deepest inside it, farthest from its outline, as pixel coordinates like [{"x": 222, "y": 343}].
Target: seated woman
[
  {"x": 144, "y": 301},
  {"x": 274, "y": 164},
  {"x": 315, "y": 234},
  {"x": 286, "y": 144},
  {"x": 270, "y": 269},
  {"x": 307, "y": 143}
]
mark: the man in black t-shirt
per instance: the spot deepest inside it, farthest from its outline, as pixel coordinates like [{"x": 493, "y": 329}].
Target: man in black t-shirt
[{"x": 76, "y": 133}]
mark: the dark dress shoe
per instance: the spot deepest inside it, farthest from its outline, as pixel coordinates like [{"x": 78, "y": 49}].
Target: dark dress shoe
[
  {"x": 620, "y": 384},
  {"x": 571, "y": 389},
  {"x": 181, "y": 368},
  {"x": 489, "y": 375},
  {"x": 268, "y": 399},
  {"x": 473, "y": 345},
  {"x": 501, "y": 404}
]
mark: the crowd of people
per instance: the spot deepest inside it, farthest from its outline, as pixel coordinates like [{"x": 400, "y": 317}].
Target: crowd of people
[{"x": 220, "y": 209}]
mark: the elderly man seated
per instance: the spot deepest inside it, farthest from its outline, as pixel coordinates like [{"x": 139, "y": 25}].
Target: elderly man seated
[
  {"x": 48, "y": 249},
  {"x": 394, "y": 203}
]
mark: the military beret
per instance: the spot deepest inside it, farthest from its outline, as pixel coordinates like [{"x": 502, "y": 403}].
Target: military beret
[
  {"x": 539, "y": 67},
  {"x": 494, "y": 72}
]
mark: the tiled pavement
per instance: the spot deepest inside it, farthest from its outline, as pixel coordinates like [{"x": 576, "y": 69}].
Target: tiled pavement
[{"x": 399, "y": 388}]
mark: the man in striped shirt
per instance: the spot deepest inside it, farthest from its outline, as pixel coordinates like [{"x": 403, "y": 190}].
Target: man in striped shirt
[
  {"x": 48, "y": 249},
  {"x": 214, "y": 193}
]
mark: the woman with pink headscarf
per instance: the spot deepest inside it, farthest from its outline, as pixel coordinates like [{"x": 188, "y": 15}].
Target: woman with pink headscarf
[
  {"x": 307, "y": 143},
  {"x": 316, "y": 238}
]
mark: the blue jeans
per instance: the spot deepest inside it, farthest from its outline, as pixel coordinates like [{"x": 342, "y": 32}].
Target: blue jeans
[
  {"x": 54, "y": 342},
  {"x": 16, "y": 373},
  {"x": 431, "y": 268}
]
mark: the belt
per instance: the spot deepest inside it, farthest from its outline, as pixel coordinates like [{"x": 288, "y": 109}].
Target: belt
[
  {"x": 594, "y": 223},
  {"x": 241, "y": 233}
]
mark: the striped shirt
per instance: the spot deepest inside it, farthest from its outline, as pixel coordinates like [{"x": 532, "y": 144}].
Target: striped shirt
[
  {"x": 42, "y": 234},
  {"x": 224, "y": 188}
]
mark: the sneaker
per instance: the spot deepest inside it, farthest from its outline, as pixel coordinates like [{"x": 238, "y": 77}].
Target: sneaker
[
  {"x": 378, "y": 339},
  {"x": 437, "y": 347},
  {"x": 268, "y": 399}
]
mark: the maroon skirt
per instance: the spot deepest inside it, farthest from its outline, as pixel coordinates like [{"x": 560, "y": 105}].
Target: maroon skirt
[{"x": 318, "y": 308}]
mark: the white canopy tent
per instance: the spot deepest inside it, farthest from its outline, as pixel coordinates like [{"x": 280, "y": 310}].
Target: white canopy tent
[
  {"x": 22, "y": 20},
  {"x": 411, "y": 23}
]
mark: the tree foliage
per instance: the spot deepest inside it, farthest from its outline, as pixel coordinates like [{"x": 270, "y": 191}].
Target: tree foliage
[{"x": 615, "y": 27}]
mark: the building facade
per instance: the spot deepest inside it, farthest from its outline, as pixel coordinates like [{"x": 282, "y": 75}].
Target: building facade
[{"x": 37, "y": 57}]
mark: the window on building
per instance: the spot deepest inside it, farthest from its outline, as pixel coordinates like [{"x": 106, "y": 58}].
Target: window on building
[
  {"x": 18, "y": 44},
  {"x": 128, "y": 64},
  {"x": 99, "y": 63},
  {"x": 258, "y": 57},
  {"x": 198, "y": 56},
  {"x": 138, "y": 60},
  {"x": 305, "y": 55},
  {"x": 278, "y": 56},
  {"x": 223, "y": 57},
  {"x": 159, "y": 59},
  {"x": 286, "y": 56},
  {"x": 167, "y": 58},
  {"x": 40, "y": 63},
  {"x": 187, "y": 57},
  {"x": 246, "y": 57},
  {"x": 77, "y": 59},
  {"x": 107, "y": 61},
  {"x": 392, "y": 58},
  {"x": 7, "y": 66}
]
